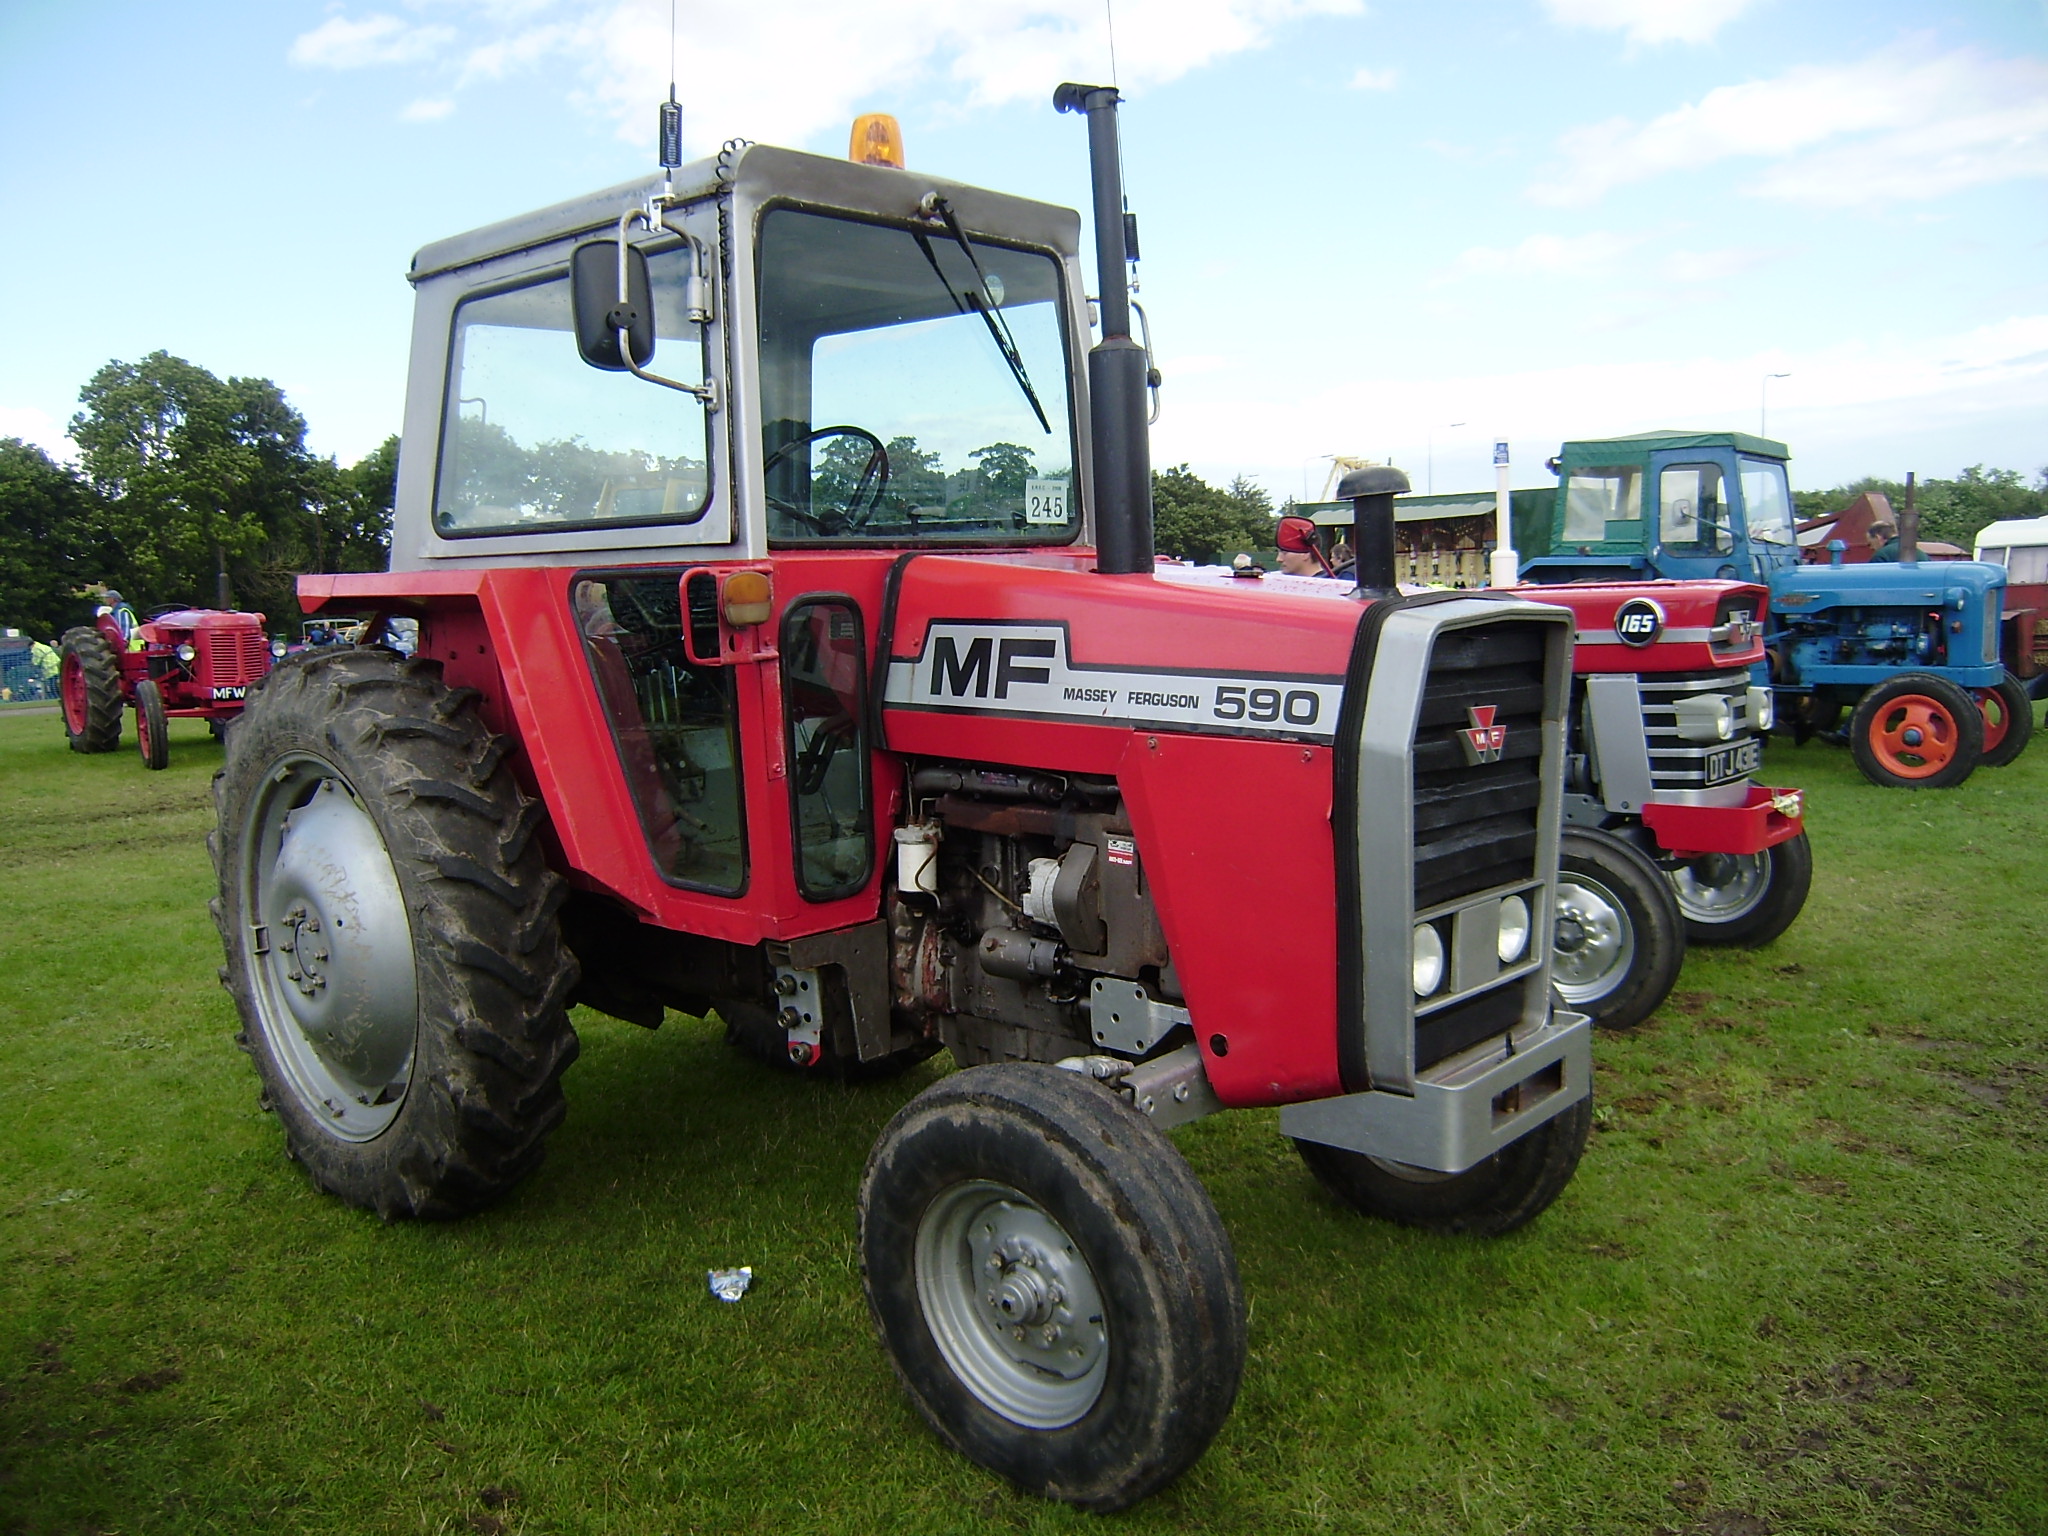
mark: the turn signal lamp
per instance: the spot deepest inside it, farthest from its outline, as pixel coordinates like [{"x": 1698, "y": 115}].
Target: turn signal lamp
[
  {"x": 877, "y": 140},
  {"x": 746, "y": 598}
]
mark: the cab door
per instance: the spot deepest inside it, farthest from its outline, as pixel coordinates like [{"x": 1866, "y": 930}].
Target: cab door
[{"x": 1693, "y": 510}]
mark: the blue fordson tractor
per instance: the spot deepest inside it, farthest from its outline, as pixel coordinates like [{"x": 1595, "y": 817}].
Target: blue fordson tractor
[{"x": 1912, "y": 649}]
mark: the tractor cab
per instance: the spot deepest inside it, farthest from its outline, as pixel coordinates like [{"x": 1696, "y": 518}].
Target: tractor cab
[{"x": 1672, "y": 505}]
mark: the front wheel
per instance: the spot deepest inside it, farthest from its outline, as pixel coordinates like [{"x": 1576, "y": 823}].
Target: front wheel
[
  {"x": 1618, "y": 939},
  {"x": 1509, "y": 1189},
  {"x": 152, "y": 729},
  {"x": 2008, "y": 720},
  {"x": 1057, "y": 1294},
  {"x": 391, "y": 934},
  {"x": 1744, "y": 899},
  {"x": 1917, "y": 731}
]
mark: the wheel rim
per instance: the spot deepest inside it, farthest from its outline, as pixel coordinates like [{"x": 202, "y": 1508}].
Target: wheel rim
[
  {"x": 1996, "y": 719},
  {"x": 71, "y": 684},
  {"x": 1913, "y": 736},
  {"x": 1012, "y": 1304},
  {"x": 329, "y": 950},
  {"x": 1594, "y": 944},
  {"x": 145, "y": 738},
  {"x": 1722, "y": 886}
]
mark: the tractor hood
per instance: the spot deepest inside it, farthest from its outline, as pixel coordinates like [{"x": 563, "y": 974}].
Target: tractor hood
[{"x": 1809, "y": 589}]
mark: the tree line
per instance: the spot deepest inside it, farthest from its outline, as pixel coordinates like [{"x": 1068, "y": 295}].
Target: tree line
[
  {"x": 1951, "y": 511},
  {"x": 190, "y": 490}
]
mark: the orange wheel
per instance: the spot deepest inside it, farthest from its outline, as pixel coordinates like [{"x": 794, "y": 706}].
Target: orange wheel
[
  {"x": 1917, "y": 731},
  {"x": 2008, "y": 720}
]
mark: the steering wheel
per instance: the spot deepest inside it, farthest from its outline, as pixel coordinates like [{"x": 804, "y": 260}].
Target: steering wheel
[{"x": 874, "y": 480}]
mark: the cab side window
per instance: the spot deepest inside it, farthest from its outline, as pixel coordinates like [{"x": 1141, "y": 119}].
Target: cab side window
[
  {"x": 1693, "y": 509},
  {"x": 824, "y": 689},
  {"x": 1597, "y": 496}
]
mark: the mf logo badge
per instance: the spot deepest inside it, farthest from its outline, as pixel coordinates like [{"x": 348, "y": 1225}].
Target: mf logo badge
[
  {"x": 1483, "y": 740},
  {"x": 1638, "y": 622}
]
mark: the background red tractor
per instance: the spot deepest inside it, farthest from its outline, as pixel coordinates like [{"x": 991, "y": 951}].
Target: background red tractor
[{"x": 185, "y": 663}]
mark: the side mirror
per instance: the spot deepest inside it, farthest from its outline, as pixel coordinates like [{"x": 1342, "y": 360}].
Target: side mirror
[{"x": 594, "y": 284}]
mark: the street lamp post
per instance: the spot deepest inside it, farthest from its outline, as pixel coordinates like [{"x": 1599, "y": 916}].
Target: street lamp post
[
  {"x": 1429, "y": 453},
  {"x": 1763, "y": 403}
]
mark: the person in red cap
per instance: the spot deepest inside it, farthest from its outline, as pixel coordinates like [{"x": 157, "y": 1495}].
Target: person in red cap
[{"x": 1300, "y": 554}]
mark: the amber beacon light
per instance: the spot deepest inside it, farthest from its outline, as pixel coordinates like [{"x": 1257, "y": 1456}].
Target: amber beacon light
[{"x": 877, "y": 140}]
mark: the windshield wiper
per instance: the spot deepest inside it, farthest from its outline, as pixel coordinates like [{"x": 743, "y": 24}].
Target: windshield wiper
[{"x": 998, "y": 327}]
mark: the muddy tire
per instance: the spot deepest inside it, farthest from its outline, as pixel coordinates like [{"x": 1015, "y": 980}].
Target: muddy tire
[
  {"x": 1507, "y": 1190},
  {"x": 152, "y": 726},
  {"x": 2008, "y": 714},
  {"x": 1917, "y": 731},
  {"x": 89, "y": 684},
  {"x": 391, "y": 934},
  {"x": 1057, "y": 1294},
  {"x": 1744, "y": 900},
  {"x": 1619, "y": 940}
]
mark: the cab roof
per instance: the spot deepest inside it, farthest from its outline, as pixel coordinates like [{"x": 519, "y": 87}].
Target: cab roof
[{"x": 1640, "y": 445}]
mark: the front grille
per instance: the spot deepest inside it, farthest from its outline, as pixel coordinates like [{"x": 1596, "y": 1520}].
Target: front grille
[
  {"x": 231, "y": 657},
  {"x": 1475, "y": 824},
  {"x": 1675, "y": 762}
]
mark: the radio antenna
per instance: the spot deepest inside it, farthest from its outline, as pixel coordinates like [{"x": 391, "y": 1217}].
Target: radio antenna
[
  {"x": 671, "y": 110},
  {"x": 1109, "y": 13}
]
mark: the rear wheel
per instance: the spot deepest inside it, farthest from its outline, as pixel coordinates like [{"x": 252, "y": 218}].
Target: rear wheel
[
  {"x": 1507, "y": 1190},
  {"x": 2008, "y": 720},
  {"x": 1917, "y": 731},
  {"x": 391, "y": 934},
  {"x": 152, "y": 729},
  {"x": 1056, "y": 1292},
  {"x": 1618, "y": 940},
  {"x": 1744, "y": 899},
  {"x": 89, "y": 683}
]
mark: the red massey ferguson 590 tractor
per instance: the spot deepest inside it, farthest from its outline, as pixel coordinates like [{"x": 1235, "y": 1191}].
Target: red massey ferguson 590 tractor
[
  {"x": 184, "y": 664},
  {"x": 816, "y": 671},
  {"x": 1668, "y": 836}
]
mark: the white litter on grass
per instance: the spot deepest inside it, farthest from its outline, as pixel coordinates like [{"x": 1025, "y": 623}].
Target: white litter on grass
[{"x": 731, "y": 1284}]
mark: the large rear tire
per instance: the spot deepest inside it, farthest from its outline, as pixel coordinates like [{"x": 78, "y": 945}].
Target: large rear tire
[
  {"x": 1508, "y": 1190},
  {"x": 1744, "y": 900},
  {"x": 1057, "y": 1294},
  {"x": 89, "y": 684},
  {"x": 1917, "y": 731},
  {"x": 391, "y": 934},
  {"x": 1619, "y": 940},
  {"x": 2008, "y": 713},
  {"x": 152, "y": 727}
]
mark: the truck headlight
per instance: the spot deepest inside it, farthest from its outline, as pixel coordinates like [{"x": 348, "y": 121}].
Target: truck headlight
[
  {"x": 1429, "y": 959},
  {"x": 1762, "y": 710},
  {"x": 187, "y": 654},
  {"x": 277, "y": 649},
  {"x": 1705, "y": 717},
  {"x": 1514, "y": 929}
]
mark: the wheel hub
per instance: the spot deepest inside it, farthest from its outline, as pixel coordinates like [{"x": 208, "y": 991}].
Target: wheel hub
[
  {"x": 1911, "y": 736},
  {"x": 1722, "y": 886},
  {"x": 1012, "y": 1304},
  {"x": 333, "y": 952},
  {"x": 1593, "y": 942}
]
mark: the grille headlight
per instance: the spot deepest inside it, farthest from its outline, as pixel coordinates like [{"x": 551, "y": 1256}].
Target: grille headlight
[
  {"x": 187, "y": 654},
  {"x": 277, "y": 648},
  {"x": 1514, "y": 929},
  {"x": 1429, "y": 959},
  {"x": 1705, "y": 717},
  {"x": 1762, "y": 710}
]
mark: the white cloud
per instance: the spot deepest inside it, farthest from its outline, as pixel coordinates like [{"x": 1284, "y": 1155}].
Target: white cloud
[
  {"x": 1650, "y": 21},
  {"x": 1915, "y": 127},
  {"x": 843, "y": 55},
  {"x": 1592, "y": 254},
  {"x": 39, "y": 427},
  {"x": 1376, "y": 79},
  {"x": 338, "y": 43},
  {"x": 1853, "y": 408},
  {"x": 428, "y": 109}
]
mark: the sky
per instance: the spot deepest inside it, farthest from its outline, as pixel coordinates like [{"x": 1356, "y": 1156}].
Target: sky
[{"x": 1389, "y": 229}]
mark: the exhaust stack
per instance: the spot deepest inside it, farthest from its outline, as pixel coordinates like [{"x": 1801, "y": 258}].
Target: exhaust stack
[
  {"x": 1116, "y": 364},
  {"x": 1371, "y": 492}
]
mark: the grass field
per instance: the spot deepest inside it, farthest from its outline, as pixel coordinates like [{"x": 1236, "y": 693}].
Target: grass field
[{"x": 1799, "y": 1285}]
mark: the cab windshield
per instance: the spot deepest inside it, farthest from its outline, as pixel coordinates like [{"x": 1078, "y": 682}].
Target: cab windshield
[
  {"x": 913, "y": 385},
  {"x": 1766, "y": 501}
]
